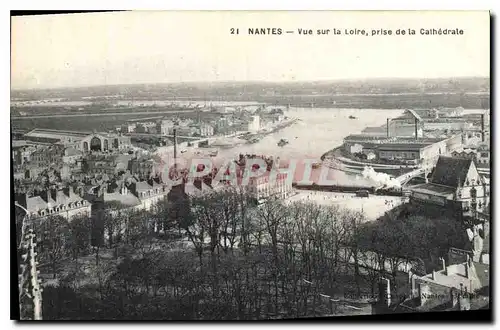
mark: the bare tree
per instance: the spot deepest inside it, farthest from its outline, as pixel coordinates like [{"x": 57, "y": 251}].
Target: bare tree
[
  {"x": 80, "y": 230},
  {"x": 54, "y": 233}
]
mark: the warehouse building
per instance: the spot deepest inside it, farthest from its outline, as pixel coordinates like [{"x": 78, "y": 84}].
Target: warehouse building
[{"x": 83, "y": 141}]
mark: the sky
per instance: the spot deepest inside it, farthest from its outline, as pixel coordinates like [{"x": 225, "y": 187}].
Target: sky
[{"x": 158, "y": 47}]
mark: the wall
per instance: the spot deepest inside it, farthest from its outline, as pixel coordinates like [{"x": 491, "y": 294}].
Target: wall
[
  {"x": 427, "y": 198},
  {"x": 405, "y": 130},
  {"x": 456, "y": 126},
  {"x": 78, "y": 211},
  {"x": 148, "y": 203},
  {"x": 355, "y": 148},
  {"x": 399, "y": 154}
]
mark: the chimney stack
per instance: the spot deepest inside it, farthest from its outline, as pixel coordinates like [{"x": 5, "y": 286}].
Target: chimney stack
[
  {"x": 46, "y": 195},
  {"x": 385, "y": 291},
  {"x": 388, "y": 129},
  {"x": 434, "y": 275},
  {"x": 482, "y": 127},
  {"x": 413, "y": 287},
  {"x": 443, "y": 263},
  {"x": 416, "y": 129}
]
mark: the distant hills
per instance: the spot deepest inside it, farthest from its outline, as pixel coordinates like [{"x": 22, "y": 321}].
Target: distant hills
[
  {"x": 468, "y": 92},
  {"x": 255, "y": 88}
]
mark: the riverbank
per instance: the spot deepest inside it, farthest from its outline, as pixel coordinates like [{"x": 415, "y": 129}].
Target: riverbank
[
  {"x": 336, "y": 156},
  {"x": 259, "y": 135}
]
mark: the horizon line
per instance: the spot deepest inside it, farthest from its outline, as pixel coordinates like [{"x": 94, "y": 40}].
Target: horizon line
[{"x": 247, "y": 81}]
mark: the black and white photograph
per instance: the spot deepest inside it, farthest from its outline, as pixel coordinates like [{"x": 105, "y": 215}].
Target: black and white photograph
[{"x": 250, "y": 165}]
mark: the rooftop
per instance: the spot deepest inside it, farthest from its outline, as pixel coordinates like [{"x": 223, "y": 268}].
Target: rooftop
[
  {"x": 56, "y": 134},
  {"x": 126, "y": 200},
  {"x": 19, "y": 143},
  {"x": 403, "y": 146},
  {"x": 430, "y": 188},
  {"x": 72, "y": 152},
  {"x": 450, "y": 171},
  {"x": 455, "y": 276},
  {"x": 374, "y": 129},
  {"x": 466, "y": 151},
  {"x": 142, "y": 186},
  {"x": 59, "y": 197},
  {"x": 361, "y": 137}
]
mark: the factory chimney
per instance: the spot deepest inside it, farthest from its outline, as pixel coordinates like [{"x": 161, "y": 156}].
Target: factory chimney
[
  {"x": 482, "y": 127},
  {"x": 388, "y": 132},
  {"x": 175, "y": 148},
  {"x": 416, "y": 129}
]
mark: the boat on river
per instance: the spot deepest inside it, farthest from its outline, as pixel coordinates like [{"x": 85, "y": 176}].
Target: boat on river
[{"x": 283, "y": 142}]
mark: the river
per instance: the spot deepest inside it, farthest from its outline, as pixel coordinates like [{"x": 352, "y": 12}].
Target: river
[{"x": 317, "y": 131}]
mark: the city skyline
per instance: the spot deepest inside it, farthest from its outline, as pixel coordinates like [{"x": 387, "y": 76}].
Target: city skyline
[{"x": 126, "y": 48}]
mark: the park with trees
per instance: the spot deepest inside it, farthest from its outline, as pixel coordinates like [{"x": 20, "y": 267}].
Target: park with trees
[{"x": 219, "y": 256}]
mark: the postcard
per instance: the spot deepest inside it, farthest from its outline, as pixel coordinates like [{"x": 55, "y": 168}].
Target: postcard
[{"x": 251, "y": 165}]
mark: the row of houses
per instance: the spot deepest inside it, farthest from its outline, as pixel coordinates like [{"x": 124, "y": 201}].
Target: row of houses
[
  {"x": 63, "y": 201},
  {"x": 135, "y": 192}
]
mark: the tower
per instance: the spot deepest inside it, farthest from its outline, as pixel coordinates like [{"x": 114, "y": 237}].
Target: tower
[{"x": 30, "y": 292}]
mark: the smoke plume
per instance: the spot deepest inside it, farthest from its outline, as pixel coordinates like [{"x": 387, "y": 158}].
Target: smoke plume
[{"x": 380, "y": 178}]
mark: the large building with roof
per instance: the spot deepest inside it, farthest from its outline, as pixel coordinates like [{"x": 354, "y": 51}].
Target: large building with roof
[
  {"x": 455, "y": 184},
  {"x": 83, "y": 141},
  {"x": 54, "y": 202},
  {"x": 427, "y": 121},
  {"x": 129, "y": 193},
  {"x": 410, "y": 150},
  {"x": 21, "y": 152}
]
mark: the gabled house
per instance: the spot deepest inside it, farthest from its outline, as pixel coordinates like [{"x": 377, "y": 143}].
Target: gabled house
[{"x": 455, "y": 185}]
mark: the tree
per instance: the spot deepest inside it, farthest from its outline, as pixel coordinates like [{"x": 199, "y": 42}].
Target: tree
[
  {"x": 274, "y": 214},
  {"x": 54, "y": 235},
  {"x": 113, "y": 220},
  {"x": 80, "y": 230},
  {"x": 188, "y": 221},
  {"x": 138, "y": 231},
  {"x": 162, "y": 216}
]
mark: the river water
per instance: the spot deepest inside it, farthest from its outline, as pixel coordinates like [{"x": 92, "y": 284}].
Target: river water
[{"x": 318, "y": 131}]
